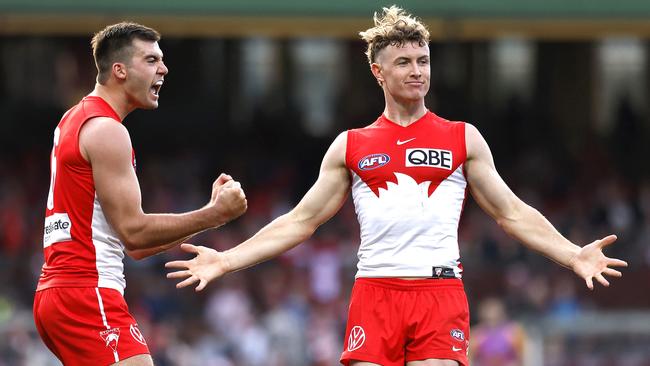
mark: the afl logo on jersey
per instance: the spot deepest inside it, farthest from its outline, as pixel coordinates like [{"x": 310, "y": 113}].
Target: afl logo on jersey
[{"x": 373, "y": 161}]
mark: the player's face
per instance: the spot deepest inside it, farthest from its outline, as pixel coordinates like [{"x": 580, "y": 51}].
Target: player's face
[
  {"x": 404, "y": 72},
  {"x": 146, "y": 71}
]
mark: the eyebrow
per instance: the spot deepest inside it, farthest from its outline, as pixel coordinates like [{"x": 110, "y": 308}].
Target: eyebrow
[
  {"x": 404, "y": 58},
  {"x": 153, "y": 55}
]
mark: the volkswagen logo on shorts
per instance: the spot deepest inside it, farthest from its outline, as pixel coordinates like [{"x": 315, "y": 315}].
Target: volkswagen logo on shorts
[
  {"x": 135, "y": 333},
  {"x": 356, "y": 339}
]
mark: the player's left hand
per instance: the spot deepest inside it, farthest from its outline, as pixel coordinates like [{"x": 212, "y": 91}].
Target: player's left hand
[{"x": 590, "y": 262}]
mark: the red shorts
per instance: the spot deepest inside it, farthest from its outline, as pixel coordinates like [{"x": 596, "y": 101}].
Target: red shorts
[
  {"x": 87, "y": 325},
  {"x": 393, "y": 321}
]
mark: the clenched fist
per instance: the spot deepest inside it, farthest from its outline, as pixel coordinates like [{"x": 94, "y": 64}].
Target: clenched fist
[{"x": 228, "y": 199}]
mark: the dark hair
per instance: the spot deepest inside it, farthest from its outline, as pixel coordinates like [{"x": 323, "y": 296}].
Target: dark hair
[{"x": 114, "y": 42}]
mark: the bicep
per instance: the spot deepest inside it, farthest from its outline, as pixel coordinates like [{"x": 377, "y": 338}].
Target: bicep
[
  {"x": 108, "y": 148},
  {"x": 486, "y": 185},
  {"x": 327, "y": 195}
]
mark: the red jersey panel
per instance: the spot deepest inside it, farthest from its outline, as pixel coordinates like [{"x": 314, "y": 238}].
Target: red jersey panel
[
  {"x": 408, "y": 188},
  {"x": 81, "y": 248}
]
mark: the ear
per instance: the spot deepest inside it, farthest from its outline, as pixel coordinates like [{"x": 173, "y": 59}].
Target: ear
[
  {"x": 119, "y": 70},
  {"x": 377, "y": 72}
]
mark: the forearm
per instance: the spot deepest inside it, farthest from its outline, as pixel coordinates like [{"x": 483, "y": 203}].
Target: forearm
[
  {"x": 139, "y": 254},
  {"x": 149, "y": 231},
  {"x": 530, "y": 227},
  {"x": 279, "y": 236}
]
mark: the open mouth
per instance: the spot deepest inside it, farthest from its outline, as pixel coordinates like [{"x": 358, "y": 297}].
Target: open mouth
[{"x": 155, "y": 88}]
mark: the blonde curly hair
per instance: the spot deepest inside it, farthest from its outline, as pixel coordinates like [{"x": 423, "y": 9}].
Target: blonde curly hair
[{"x": 393, "y": 27}]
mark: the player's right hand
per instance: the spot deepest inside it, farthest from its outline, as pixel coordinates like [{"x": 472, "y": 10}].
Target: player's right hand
[
  {"x": 228, "y": 199},
  {"x": 205, "y": 267}
]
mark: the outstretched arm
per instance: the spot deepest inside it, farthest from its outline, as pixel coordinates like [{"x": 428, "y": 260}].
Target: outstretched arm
[
  {"x": 320, "y": 203},
  {"x": 526, "y": 224},
  {"x": 106, "y": 145}
]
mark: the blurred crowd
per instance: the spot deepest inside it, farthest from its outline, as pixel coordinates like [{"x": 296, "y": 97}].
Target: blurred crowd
[{"x": 291, "y": 310}]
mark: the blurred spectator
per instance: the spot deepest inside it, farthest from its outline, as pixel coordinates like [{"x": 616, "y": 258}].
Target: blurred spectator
[{"x": 496, "y": 340}]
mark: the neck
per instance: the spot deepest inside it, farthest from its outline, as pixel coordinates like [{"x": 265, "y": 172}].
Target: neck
[
  {"x": 116, "y": 100},
  {"x": 404, "y": 113}
]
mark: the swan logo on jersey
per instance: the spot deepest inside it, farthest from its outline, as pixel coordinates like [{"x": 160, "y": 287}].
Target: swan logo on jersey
[
  {"x": 57, "y": 229},
  {"x": 356, "y": 339},
  {"x": 429, "y": 157},
  {"x": 373, "y": 161}
]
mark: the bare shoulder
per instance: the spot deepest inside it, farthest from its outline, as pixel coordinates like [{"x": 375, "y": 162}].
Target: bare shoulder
[
  {"x": 341, "y": 141},
  {"x": 471, "y": 132},
  {"x": 474, "y": 141},
  {"x": 103, "y": 135},
  {"x": 103, "y": 127},
  {"x": 335, "y": 155}
]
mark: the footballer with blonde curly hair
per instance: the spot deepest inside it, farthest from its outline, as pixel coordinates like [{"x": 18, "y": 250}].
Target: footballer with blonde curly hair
[{"x": 408, "y": 172}]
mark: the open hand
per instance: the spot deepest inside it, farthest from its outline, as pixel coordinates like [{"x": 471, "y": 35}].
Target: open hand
[
  {"x": 590, "y": 262},
  {"x": 205, "y": 267}
]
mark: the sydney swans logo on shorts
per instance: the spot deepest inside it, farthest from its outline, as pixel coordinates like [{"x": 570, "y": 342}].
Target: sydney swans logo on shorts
[
  {"x": 111, "y": 337},
  {"x": 373, "y": 161},
  {"x": 356, "y": 339},
  {"x": 136, "y": 334}
]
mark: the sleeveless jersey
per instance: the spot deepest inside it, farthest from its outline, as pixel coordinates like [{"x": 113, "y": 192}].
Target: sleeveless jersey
[
  {"x": 81, "y": 248},
  {"x": 409, "y": 189}
]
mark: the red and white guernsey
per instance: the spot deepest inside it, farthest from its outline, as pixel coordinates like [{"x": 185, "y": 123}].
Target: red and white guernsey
[
  {"x": 409, "y": 188},
  {"x": 81, "y": 248}
]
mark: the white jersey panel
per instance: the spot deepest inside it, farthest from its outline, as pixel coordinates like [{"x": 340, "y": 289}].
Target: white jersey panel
[
  {"x": 405, "y": 232},
  {"x": 109, "y": 251}
]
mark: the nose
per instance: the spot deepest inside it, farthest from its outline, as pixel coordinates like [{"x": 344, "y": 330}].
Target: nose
[
  {"x": 415, "y": 70},
  {"x": 162, "y": 69}
]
